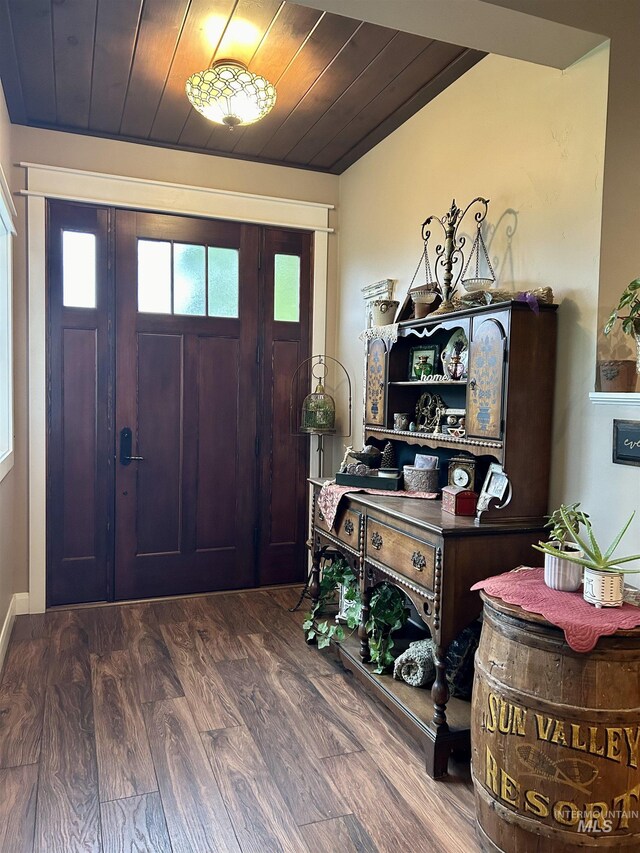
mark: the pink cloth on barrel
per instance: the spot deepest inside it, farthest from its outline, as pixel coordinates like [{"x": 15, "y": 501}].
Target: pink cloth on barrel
[
  {"x": 330, "y": 496},
  {"x": 582, "y": 623}
]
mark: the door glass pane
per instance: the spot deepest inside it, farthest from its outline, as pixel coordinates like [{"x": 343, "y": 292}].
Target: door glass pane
[
  {"x": 154, "y": 277},
  {"x": 287, "y": 288},
  {"x": 78, "y": 269},
  {"x": 223, "y": 282},
  {"x": 188, "y": 279}
]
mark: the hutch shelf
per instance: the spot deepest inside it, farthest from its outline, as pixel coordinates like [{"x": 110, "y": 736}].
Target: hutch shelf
[{"x": 434, "y": 557}]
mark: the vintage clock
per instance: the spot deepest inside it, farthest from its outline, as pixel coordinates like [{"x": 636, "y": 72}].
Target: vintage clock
[
  {"x": 462, "y": 472},
  {"x": 458, "y": 500}
]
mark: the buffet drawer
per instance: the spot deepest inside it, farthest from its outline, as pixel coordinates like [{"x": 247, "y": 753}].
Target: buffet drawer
[
  {"x": 411, "y": 556},
  {"x": 346, "y": 527}
]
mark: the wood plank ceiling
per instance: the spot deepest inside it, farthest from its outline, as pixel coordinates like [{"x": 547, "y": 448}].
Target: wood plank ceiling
[{"x": 117, "y": 68}]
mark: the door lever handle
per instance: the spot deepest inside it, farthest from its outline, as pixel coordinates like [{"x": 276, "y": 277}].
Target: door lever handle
[{"x": 126, "y": 458}]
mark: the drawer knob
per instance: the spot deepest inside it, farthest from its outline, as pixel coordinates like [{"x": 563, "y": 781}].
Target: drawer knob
[
  {"x": 376, "y": 541},
  {"x": 418, "y": 561},
  {"x": 348, "y": 527}
]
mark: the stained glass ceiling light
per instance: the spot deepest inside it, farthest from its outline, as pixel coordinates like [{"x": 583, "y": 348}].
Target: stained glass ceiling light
[{"x": 229, "y": 94}]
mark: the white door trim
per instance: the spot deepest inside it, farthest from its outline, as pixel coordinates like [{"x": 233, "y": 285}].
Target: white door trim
[{"x": 45, "y": 182}]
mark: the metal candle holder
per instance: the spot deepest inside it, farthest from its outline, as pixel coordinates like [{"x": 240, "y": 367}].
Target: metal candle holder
[{"x": 476, "y": 274}]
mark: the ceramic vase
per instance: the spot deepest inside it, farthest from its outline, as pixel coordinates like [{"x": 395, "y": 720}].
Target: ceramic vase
[
  {"x": 604, "y": 589},
  {"x": 562, "y": 574}
]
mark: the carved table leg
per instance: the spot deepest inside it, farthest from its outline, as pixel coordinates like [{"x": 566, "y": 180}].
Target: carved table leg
[
  {"x": 440, "y": 690},
  {"x": 437, "y": 753},
  {"x": 365, "y": 656},
  {"x": 314, "y": 583}
]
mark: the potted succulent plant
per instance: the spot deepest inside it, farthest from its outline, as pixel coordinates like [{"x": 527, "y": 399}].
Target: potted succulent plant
[
  {"x": 603, "y": 572},
  {"x": 622, "y": 371},
  {"x": 560, "y": 573}
]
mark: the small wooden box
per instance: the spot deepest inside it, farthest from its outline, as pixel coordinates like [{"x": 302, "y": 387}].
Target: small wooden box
[{"x": 459, "y": 501}]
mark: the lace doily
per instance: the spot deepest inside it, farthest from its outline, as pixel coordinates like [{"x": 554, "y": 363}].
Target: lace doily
[
  {"x": 582, "y": 623},
  {"x": 387, "y": 333}
]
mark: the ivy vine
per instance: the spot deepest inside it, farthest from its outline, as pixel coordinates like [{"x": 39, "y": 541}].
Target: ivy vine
[{"x": 387, "y": 613}]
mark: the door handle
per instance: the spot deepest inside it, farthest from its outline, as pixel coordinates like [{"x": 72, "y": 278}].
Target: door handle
[{"x": 126, "y": 437}]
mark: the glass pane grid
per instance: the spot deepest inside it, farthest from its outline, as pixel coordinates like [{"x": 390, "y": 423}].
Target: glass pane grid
[{"x": 188, "y": 279}]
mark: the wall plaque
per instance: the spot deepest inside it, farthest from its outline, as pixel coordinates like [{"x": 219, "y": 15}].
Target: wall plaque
[{"x": 626, "y": 442}]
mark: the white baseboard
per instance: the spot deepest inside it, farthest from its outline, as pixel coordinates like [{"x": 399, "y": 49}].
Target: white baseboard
[
  {"x": 21, "y": 600},
  {"x": 5, "y": 633},
  {"x": 18, "y": 605}
]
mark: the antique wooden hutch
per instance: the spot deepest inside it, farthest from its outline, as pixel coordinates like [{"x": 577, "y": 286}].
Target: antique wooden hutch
[{"x": 434, "y": 557}]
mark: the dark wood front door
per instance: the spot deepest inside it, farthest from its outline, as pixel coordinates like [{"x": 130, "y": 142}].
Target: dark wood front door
[{"x": 188, "y": 479}]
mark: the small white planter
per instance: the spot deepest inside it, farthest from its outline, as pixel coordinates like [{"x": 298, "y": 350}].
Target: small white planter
[
  {"x": 604, "y": 589},
  {"x": 562, "y": 574}
]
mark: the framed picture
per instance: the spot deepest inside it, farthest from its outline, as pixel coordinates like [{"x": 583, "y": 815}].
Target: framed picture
[
  {"x": 423, "y": 362},
  {"x": 626, "y": 442},
  {"x": 496, "y": 485}
]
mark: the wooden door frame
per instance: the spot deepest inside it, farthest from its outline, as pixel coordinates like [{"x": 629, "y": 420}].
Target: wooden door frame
[{"x": 54, "y": 182}]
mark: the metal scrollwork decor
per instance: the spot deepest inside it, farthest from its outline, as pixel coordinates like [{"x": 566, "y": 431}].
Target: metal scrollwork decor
[
  {"x": 376, "y": 541},
  {"x": 348, "y": 527},
  {"x": 418, "y": 561}
]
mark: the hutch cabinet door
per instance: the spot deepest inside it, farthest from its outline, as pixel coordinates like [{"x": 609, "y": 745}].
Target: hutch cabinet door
[
  {"x": 486, "y": 379},
  {"x": 376, "y": 383}
]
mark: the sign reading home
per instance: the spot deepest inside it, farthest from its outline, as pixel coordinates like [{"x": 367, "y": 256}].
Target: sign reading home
[
  {"x": 626, "y": 442},
  {"x": 577, "y": 775}
]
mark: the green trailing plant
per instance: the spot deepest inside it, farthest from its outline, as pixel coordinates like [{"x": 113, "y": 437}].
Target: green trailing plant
[
  {"x": 592, "y": 556},
  {"x": 387, "y": 613},
  {"x": 334, "y": 574},
  {"x": 562, "y": 529},
  {"x": 629, "y": 299}
]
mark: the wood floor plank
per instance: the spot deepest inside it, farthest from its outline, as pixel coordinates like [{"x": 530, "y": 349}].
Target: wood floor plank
[
  {"x": 259, "y": 814},
  {"x": 196, "y": 817},
  {"x": 125, "y": 768},
  {"x": 298, "y": 700},
  {"x": 291, "y": 636},
  {"x": 67, "y": 813},
  {"x": 154, "y": 670},
  {"x": 18, "y": 786},
  {"x": 376, "y": 803},
  {"x": 288, "y": 597},
  {"x": 134, "y": 825},
  {"x": 34, "y": 626},
  {"x": 22, "y": 693},
  {"x": 307, "y": 790},
  {"x": 172, "y": 610},
  {"x": 237, "y": 613},
  {"x": 401, "y": 763},
  {"x": 345, "y": 834},
  {"x": 207, "y": 618},
  {"x": 211, "y": 704},
  {"x": 105, "y": 629}
]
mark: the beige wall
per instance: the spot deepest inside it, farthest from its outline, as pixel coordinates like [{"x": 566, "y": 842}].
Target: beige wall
[
  {"x": 619, "y": 260},
  {"x": 12, "y": 508},
  {"x": 531, "y": 139}
]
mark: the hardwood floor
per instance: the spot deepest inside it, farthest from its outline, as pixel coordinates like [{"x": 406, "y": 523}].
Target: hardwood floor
[{"x": 206, "y": 724}]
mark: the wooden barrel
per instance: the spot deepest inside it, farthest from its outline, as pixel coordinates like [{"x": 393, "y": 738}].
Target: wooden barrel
[{"x": 555, "y": 737}]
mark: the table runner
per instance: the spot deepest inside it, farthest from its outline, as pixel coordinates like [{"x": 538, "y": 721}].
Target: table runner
[
  {"x": 582, "y": 623},
  {"x": 331, "y": 494}
]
